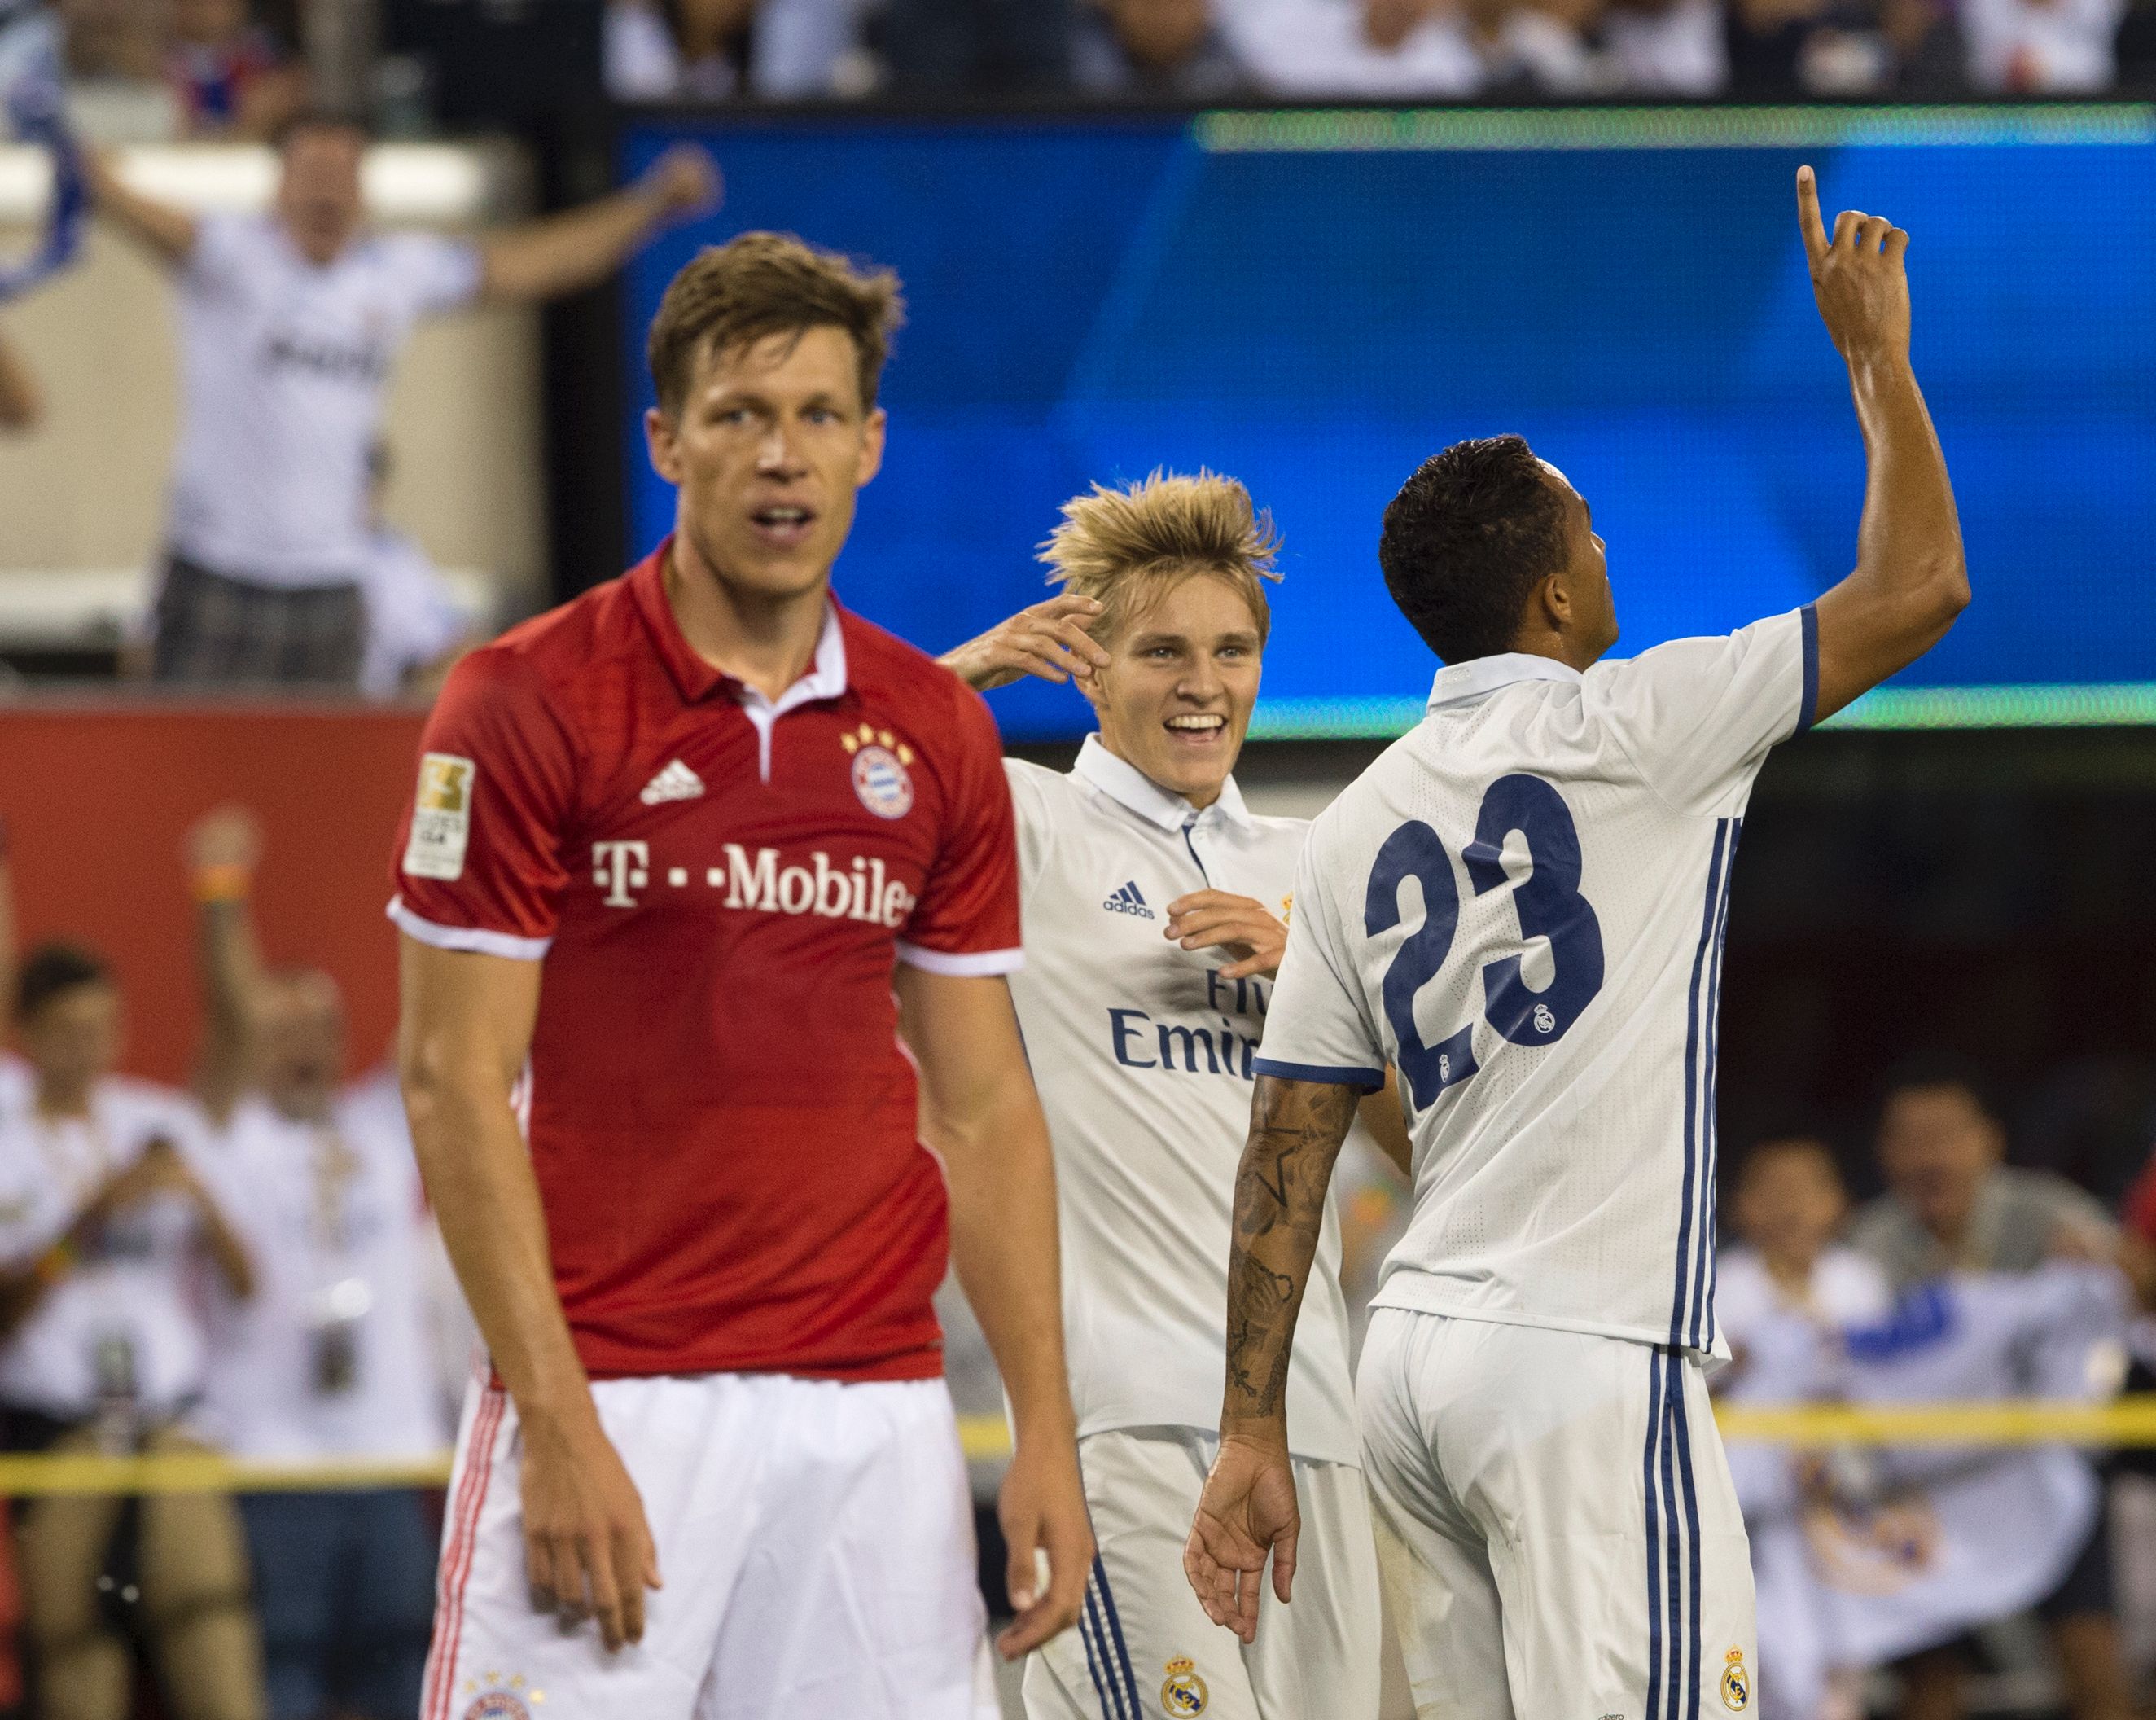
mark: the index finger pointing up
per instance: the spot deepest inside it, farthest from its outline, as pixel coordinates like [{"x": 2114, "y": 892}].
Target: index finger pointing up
[{"x": 1808, "y": 223}]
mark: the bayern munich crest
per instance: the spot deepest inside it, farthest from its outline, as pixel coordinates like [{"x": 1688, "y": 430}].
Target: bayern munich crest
[
  {"x": 880, "y": 776},
  {"x": 499, "y": 1698}
]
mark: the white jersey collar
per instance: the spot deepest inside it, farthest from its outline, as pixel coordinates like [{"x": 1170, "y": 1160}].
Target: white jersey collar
[
  {"x": 826, "y": 678},
  {"x": 1125, "y": 784},
  {"x": 1467, "y": 683}
]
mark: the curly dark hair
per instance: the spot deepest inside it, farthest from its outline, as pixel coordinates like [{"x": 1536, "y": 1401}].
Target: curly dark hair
[{"x": 1467, "y": 540}]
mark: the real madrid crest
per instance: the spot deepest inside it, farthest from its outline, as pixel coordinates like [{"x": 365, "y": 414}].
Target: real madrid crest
[
  {"x": 1185, "y": 1693},
  {"x": 1736, "y": 1683},
  {"x": 880, "y": 776}
]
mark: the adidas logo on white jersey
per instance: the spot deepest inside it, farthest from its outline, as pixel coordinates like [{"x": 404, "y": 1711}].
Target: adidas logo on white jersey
[
  {"x": 677, "y": 781},
  {"x": 1127, "y": 900}
]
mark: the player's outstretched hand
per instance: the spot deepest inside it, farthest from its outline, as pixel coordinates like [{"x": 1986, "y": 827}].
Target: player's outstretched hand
[
  {"x": 1857, "y": 277},
  {"x": 587, "y": 1549},
  {"x": 1042, "y": 1510},
  {"x": 1212, "y": 919},
  {"x": 687, "y": 181},
  {"x": 1049, "y": 639},
  {"x": 1247, "y": 1511}
]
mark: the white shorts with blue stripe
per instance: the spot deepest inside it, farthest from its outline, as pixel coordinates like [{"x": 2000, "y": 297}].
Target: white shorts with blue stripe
[
  {"x": 1144, "y": 1648},
  {"x": 1557, "y": 1527}
]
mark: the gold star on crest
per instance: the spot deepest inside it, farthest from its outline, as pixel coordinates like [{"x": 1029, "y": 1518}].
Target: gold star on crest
[{"x": 853, "y": 741}]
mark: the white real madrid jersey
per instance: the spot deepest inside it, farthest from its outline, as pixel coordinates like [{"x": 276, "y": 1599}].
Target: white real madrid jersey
[
  {"x": 285, "y": 365},
  {"x": 1521, "y": 904},
  {"x": 1144, "y": 1057}
]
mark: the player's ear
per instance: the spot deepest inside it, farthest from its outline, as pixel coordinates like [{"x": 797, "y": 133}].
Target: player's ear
[
  {"x": 659, "y": 437},
  {"x": 870, "y": 461},
  {"x": 1551, "y": 608}
]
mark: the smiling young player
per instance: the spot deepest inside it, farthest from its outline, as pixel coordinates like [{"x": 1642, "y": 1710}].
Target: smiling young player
[
  {"x": 1520, "y": 906},
  {"x": 1154, "y": 904}
]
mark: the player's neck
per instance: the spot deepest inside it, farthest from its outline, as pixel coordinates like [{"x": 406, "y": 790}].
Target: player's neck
[
  {"x": 1558, "y": 647},
  {"x": 1198, "y": 798},
  {"x": 762, "y": 639}
]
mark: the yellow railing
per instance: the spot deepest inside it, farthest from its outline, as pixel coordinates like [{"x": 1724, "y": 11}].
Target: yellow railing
[{"x": 2127, "y": 1421}]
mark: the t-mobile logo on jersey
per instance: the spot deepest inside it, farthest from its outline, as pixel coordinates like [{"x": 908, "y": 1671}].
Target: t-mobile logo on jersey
[
  {"x": 619, "y": 867},
  {"x": 859, "y": 890}
]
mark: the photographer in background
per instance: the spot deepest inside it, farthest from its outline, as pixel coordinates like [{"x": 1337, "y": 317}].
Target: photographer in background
[{"x": 107, "y": 1231}]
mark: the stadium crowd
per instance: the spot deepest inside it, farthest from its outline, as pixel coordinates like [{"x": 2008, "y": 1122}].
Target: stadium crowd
[
  {"x": 216, "y": 69},
  {"x": 1211, "y": 50},
  {"x": 248, "y": 1267}
]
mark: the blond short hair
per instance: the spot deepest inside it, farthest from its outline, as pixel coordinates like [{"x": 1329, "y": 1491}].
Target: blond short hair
[
  {"x": 759, "y": 284},
  {"x": 1127, "y": 548}
]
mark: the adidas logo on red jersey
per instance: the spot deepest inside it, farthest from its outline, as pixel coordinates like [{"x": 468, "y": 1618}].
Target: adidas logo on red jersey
[{"x": 677, "y": 781}]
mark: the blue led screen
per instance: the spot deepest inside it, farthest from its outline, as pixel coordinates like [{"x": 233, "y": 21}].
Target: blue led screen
[{"x": 1315, "y": 303}]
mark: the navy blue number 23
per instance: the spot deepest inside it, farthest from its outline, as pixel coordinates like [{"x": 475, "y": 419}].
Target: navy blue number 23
[{"x": 1547, "y": 901}]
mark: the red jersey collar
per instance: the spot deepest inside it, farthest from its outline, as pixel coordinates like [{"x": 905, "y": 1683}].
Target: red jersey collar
[{"x": 696, "y": 679}]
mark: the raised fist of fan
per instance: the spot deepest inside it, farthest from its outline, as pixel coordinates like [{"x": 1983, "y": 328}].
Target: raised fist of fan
[{"x": 1857, "y": 277}]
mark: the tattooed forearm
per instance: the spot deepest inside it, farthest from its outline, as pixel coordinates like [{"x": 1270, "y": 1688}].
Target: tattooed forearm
[{"x": 1295, "y": 1131}]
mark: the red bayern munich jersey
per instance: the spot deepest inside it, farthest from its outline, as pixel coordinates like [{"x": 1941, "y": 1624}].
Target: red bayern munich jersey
[{"x": 720, "y": 1116}]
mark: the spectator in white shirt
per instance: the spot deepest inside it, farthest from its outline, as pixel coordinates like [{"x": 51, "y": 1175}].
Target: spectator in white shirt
[
  {"x": 1166, "y": 48},
  {"x": 1783, "y": 1296},
  {"x": 2041, "y": 47},
  {"x": 330, "y": 1357},
  {"x": 1667, "y": 47},
  {"x": 108, "y": 1235},
  {"x": 415, "y": 630},
  {"x": 290, "y": 324},
  {"x": 1330, "y": 48}
]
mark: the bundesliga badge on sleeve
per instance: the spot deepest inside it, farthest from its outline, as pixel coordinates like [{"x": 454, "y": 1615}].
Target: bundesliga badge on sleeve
[{"x": 441, "y": 819}]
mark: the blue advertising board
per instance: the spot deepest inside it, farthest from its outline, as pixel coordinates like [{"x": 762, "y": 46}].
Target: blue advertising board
[{"x": 1315, "y": 301}]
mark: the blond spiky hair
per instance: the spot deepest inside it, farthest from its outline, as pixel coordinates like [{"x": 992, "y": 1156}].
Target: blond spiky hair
[{"x": 1126, "y": 548}]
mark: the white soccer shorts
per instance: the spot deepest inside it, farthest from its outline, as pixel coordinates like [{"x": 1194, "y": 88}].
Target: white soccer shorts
[
  {"x": 815, "y": 1540},
  {"x": 1144, "y": 1648},
  {"x": 1556, "y": 1528}
]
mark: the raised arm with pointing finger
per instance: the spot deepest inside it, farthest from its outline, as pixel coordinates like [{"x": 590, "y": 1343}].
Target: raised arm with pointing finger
[
  {"x": 1557, "y": 1268},
  {"x": 1910, "y": 580}
]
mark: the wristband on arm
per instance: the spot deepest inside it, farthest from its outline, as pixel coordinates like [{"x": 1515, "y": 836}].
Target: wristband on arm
[{"x": 228, "y": 883}]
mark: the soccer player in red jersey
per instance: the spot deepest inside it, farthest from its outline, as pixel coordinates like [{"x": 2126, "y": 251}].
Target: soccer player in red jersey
[{"x": 688, "y": 856}]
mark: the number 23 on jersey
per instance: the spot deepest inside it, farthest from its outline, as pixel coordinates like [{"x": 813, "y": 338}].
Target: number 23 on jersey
[{"x": 1547, "y": 902}]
